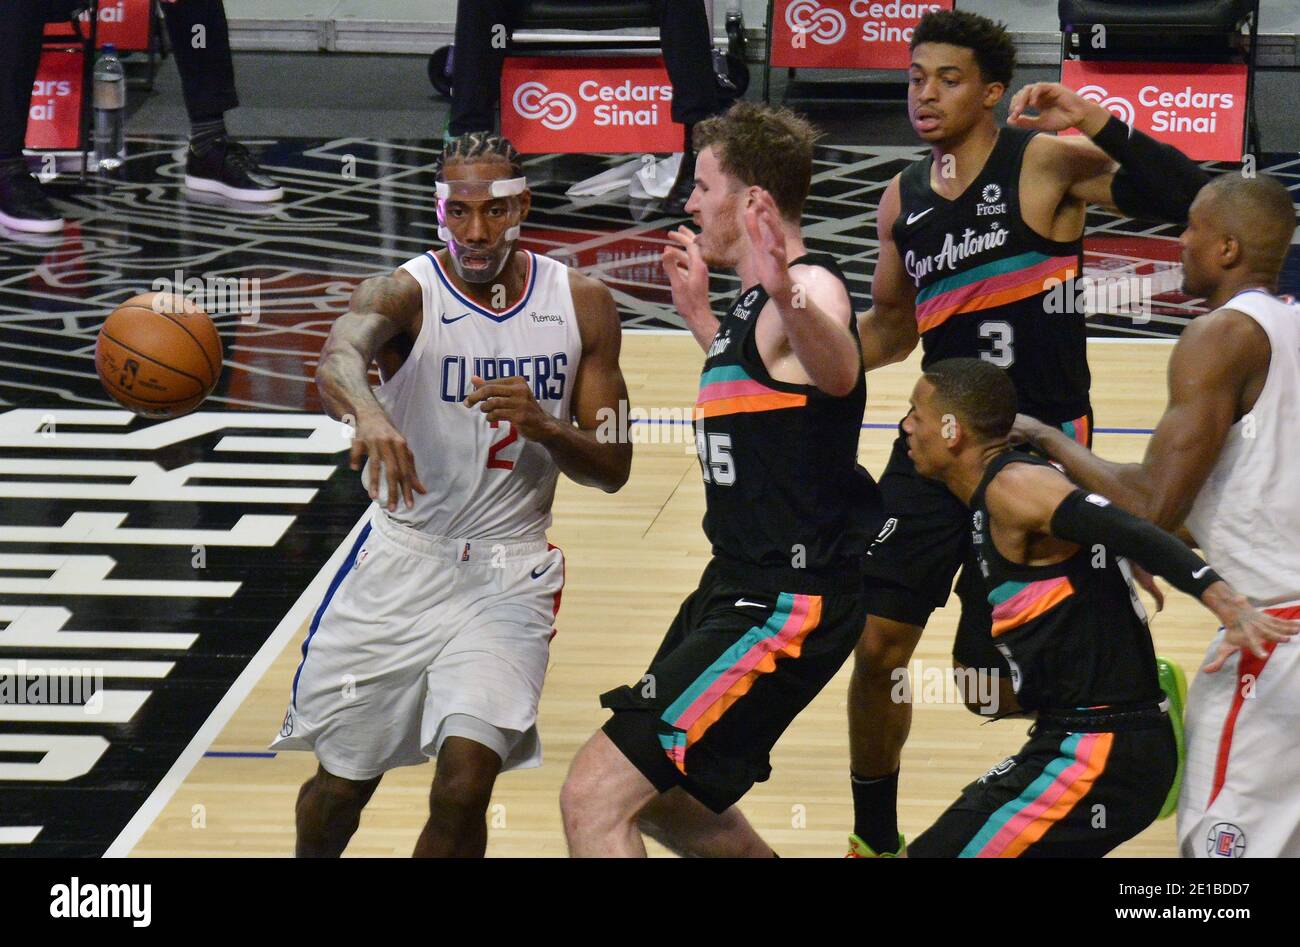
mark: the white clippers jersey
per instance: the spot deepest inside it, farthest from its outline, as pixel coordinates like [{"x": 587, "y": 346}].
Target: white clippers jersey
[
  {"x": 1247, "y": 516},
  {"x": 483, "y": 482}
]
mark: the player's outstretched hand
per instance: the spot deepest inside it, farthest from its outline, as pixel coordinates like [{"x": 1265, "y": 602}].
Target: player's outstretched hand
[
  {"x": 767, "y": 241},
  {"x": 1058, "y": 106},
  {"x": 688, "y": 274},
  {"x": 511, "y": 399},
  {"x": 1245, "y": 626},
  {"x": 391, "y": 459}
]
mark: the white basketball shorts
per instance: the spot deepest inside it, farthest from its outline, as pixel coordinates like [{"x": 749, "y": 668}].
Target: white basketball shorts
[
  {"x": 415, "y": 629},
  {"x": 1241, "y": 787}
]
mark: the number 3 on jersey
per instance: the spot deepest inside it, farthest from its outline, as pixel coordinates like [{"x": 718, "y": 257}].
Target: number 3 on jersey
[
  {"x": 715, "y": 457},
  {"x": 998, "y": 331}
]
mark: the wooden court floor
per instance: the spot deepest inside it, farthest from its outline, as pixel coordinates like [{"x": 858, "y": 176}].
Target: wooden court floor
[{"x": 631, "y": 558}]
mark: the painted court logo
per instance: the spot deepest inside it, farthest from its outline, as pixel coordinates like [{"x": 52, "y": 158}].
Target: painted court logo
[
  {"x": 554, "y": 110},
  {"x": 1116, "y": 105},
  {"x": 809, "y": 18}
]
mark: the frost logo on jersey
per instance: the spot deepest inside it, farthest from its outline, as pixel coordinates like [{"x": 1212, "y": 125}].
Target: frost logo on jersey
[
  {"x": 991, "y": 195},
  {"x": 554, "y": 110},
  {"x": 810, "y": 18},
  {"x": 954, "y": 251},
  {"x": 743, "y": 311},
  {"x": 1225, "y": 840},
  {"x": 978, "y": 519},
  {"x": 1096, "y": 499},
  {"x": 1114, "y": 104}
]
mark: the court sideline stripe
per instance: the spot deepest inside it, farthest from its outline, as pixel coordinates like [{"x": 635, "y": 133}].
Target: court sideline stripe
[{"x": 293, "y": 620}]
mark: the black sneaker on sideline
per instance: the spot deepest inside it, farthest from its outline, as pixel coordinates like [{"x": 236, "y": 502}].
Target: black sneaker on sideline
[
  {"x": 228, "y": 169},
  {"x": 24, "y": 206}
]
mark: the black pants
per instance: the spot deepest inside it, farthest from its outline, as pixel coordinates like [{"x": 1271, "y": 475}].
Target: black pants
[
  {"x": 202, "y": 57},
  {"x": 207, "y": 71},
  {"x": 476, "y": 79}
]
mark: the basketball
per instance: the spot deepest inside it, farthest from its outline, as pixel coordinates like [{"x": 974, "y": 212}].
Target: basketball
[{"x": 158, "y": 355}]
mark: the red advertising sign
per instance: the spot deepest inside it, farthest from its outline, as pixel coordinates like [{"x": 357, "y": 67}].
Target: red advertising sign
[
  {"x": 846, "y": 34},
  {"x": 1198, "y": 108},
  {"x": 124, "y": 23},
  {"x": 581, "y": 104},
  {"x": 54, "y": 115}
]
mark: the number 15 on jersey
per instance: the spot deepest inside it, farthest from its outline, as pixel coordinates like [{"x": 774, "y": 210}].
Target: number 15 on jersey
[{"x": 716, "y": 461}]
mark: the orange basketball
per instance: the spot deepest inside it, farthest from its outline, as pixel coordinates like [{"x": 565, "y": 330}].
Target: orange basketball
[{"x": 158, "y": 355}]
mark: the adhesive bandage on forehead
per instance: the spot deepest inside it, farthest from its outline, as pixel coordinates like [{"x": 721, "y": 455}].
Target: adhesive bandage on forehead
[{"x": 481, "y": 190}]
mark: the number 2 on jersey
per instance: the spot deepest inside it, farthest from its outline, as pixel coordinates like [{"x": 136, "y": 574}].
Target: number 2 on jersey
[
  {"x": 1000, "y": 332},
  {"x": 498, "y": 463}
]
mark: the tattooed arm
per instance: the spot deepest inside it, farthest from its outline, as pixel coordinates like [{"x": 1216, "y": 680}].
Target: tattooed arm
[{"x": 382, "y": 309}]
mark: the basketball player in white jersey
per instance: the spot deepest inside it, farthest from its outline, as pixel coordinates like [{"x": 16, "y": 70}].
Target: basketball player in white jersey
[
  {"x": 434, "y": 636},
  {"x": 1222, "y": 461}
]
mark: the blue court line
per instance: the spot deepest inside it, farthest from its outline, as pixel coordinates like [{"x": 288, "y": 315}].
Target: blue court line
[
  {"x": 878, "y": 426},
  {"x": 222, "y": 754}
]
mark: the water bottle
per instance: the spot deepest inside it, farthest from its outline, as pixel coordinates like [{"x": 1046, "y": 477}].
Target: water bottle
[{"x": 110, "y": 109}]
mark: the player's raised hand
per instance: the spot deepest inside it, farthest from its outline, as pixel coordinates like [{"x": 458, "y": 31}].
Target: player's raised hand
[
  {"x": 767, "y": 241},
  {"x": 1244, "y": 625},
  {"x": 511, "y": 400},
  {"x": 1025, "y": 429},
  {"x": 688, "y": 274},
  {"x": 1058, "y": 106},
  {"x": 390, "y": 456}
]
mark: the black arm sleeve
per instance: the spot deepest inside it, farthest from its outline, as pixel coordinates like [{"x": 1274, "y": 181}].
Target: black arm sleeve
[
  {"x": 1084, "y": 521},
  {"x": 1155, "y": 181}
]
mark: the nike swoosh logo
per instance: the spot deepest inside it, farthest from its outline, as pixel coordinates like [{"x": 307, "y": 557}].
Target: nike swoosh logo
[
  {"x": 447, "y": 322},
  {"x": 1200, "y": 572},
  {"x": 741, "y": 603},
  {"x": 538, "y": 575},
  {"x": 913, "y": 218}
]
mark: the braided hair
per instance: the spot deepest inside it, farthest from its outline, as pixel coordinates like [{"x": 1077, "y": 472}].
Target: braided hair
[{"x": 480, "y": 146}]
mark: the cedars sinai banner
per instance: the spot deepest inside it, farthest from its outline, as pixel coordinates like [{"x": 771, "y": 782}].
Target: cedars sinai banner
[
  {"x": 54, "y": 113},
  {"x": 124, "y": 23},
  {"x": 1198, "y": 108},
  {"x": 581, "y": 104},
  {"x": 847, "y": 34}
]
